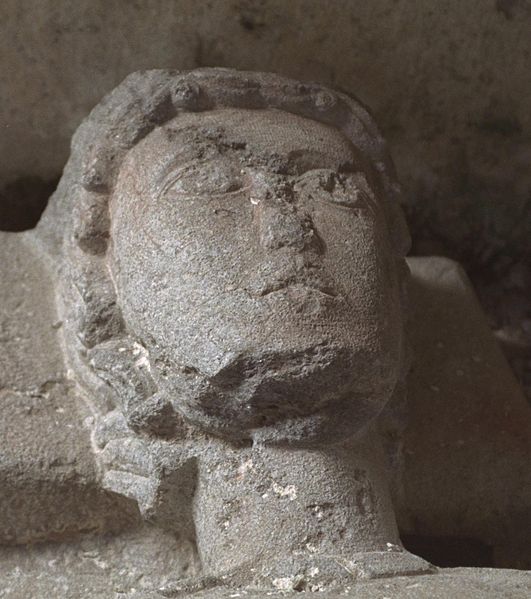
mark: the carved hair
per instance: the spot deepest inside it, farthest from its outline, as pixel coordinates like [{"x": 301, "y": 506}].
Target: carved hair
[{"x": 76, "y": 224}]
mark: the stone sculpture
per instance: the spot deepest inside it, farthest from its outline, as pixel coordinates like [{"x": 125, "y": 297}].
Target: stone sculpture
[{"x": 232, "y": 303}]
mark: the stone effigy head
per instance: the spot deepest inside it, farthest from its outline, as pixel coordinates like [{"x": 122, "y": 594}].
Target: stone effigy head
[{"x": 233, "y": 256}]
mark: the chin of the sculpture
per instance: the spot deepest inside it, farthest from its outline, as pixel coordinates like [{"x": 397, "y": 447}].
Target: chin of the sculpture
[
  {"x": 341, "y": 419},
  {"x": 322, "y": 394}
]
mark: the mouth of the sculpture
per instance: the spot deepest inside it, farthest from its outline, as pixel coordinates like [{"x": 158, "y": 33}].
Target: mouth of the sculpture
[{"x": 299, "y": 290}]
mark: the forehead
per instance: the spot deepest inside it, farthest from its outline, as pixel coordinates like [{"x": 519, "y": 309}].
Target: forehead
[
  {"x": 275, "y": 131},
  {"x": 265, "y": 135}
]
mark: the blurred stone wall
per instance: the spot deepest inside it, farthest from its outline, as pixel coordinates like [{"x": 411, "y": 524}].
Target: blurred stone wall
[{"x": 448, "y": 80}]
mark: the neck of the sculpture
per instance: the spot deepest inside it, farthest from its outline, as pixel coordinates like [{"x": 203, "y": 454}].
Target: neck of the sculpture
[{"x": 258, "y": 506}]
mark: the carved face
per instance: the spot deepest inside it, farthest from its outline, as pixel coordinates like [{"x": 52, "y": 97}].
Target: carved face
[{"x": 252, "y": 259}]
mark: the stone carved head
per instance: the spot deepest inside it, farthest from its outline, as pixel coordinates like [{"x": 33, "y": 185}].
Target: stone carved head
[{"x": 233, "y": 258}]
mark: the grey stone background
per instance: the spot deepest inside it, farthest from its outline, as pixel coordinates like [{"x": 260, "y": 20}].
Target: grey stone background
[{"x": 448, "y": 81}]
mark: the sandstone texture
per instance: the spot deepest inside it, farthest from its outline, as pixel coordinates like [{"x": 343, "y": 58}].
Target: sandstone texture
[
  {"x": 447, "y": 82},
  {"x": 231, "y": 276},
  {"x": 467, "y": 444},
  {"x": 135, "y": 564},
  {"x": 49, "y": 481},
  {"x": 93, "y": 571},
  {"x": 208, "y": 331}
]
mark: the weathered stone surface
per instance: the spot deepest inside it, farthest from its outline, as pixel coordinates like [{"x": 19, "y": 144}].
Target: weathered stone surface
[
  {"x": 49, "y": 482},
  {"x": 130, "y": 565},
  {"x": 230, "y": 266},
  {"x": 465, "y": 583},
  {"x": 227, "y": 255},
  {"x": 96, "y": 570},
  {"x": 467, "y": 446},
  {"x": 448, "y": 84}
]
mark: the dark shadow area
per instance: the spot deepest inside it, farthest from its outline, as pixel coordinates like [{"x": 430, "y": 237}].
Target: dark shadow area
[
  {"x": 450, "y": 552},
  {"x": 22, "y": 202}
]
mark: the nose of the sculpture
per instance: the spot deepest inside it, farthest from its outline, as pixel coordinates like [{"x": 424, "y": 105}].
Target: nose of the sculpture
[
  {"x": 279, "y": 223},
  {"x": 279, "y": 226}
]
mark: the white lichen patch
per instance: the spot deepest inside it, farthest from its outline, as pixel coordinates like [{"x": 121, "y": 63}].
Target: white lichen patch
[
  {"x": 244, "y": 468},
  {"x": 283, "y": 584},
  {"x": 318, "y": 512},
  {"x": 289, "y": 491},
  {"x": 288, "y": 583},
  {"x": 142, "y": 356}
]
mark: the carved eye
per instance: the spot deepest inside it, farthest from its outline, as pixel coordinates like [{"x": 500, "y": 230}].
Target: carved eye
[
  {"x": 344, "y": 189},
  {"x": 212, "y": 178}
]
